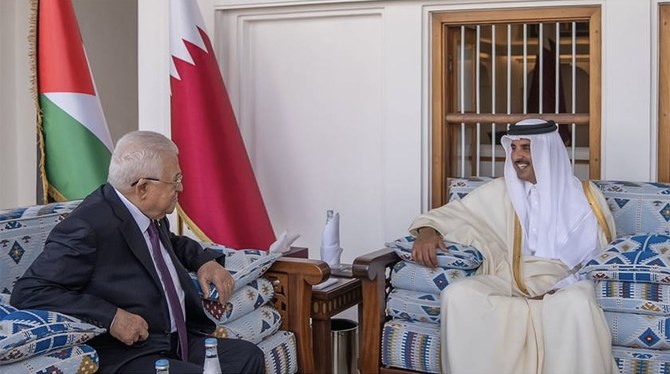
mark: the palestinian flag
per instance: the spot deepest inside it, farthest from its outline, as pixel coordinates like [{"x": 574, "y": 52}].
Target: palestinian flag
[
  {"x": 221, "y": 201},
  {"x": 73, "y": 137}
]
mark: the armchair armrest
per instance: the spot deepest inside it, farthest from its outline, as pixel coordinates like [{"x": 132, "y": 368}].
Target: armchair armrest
[
  {"x": 292, "y": 279},
  {"x": 371, "y": 269}
]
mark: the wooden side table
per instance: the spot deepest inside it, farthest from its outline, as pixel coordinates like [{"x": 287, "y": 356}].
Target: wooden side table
[{"x": 326, "y": 303}]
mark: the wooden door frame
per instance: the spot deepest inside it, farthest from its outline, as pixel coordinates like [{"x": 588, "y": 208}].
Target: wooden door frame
[{"x": 663, "y": 151}]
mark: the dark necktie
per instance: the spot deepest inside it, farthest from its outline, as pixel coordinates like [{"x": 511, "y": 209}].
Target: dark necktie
[{"x": 168, "y": 284}]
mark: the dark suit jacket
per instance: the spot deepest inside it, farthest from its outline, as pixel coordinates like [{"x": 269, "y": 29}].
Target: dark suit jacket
[{"x": 96, "y": 260}]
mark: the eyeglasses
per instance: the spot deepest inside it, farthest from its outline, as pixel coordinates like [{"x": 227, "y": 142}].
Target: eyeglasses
[{"x": 175, "y": 183}]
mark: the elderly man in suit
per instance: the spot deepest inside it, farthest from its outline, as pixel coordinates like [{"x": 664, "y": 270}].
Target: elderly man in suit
[{"x": 113, "y": 262}]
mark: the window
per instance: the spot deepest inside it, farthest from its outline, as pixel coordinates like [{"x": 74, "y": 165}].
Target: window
[{"x": 494, "y": 68}]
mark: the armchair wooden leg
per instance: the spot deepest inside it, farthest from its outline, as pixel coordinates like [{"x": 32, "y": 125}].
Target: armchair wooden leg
[
  {"x": 371, "y": 269},
  {"x": 293, "y": 279}
]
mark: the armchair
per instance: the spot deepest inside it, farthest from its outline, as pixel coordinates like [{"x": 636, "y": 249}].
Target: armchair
[
  {"x": 373, "y": 271},
  {"x": 23, "y": 232},
  {"x": 639, "y": 210}
]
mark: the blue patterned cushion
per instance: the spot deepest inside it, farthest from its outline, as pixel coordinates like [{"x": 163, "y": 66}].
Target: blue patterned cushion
[
  {"x": 413, "y": 306},
  {"x": 641, "y": 361},
  {"x": 81, "y": 359},
  {"x": 236, "y": 259},
  {"x": 631, "y": 297},
  {"x": 637, "y": 206},
  {"x": 254, "y": 270},
  {"x": 460, "y": 187},
  {"x": 35, "y": 211},
  {"x": 635, "y": 258},
  {"x": 252, "y": 296},
  {"x": 6, "y": 309},
  {"x": 280, "y": 353},
  {"x": 410, "y": 276},
  {"x": 23, "y": 232},
  {"x": 244, "y": 265},
  {"x": 25, "y": 333},
  {"x": 457, "y": 256},
  {"x": 639, "y": 330},
  {"x": 252, "y": 327},
  {"x": 411, "y": 345}
]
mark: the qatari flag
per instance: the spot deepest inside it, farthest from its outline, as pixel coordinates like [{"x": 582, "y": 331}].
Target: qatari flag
[{"x": 221, "y": 201}]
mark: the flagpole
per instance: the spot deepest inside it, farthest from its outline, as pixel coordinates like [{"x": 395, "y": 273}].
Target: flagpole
[
  {"x": 42, "y": 185},
  {"x": 180, "y": 225}
]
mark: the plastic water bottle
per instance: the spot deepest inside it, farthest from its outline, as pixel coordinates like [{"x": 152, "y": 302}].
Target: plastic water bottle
[
  {"x": 212, "y": 365},
  {"x": 162, "y": 366}
]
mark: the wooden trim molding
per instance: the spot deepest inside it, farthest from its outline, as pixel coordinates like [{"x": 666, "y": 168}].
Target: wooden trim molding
[
  {"x": 595, "y": 95},
  {"x": 439, "y": 172},
  {"x": 663, "y": 93}
]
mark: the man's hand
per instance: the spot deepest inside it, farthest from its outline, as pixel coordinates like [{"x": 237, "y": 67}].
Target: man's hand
[
  {"x": 129, "y": 328},
  {"x": 213, "y": 272},
  {"x": 424, "y": 250}
]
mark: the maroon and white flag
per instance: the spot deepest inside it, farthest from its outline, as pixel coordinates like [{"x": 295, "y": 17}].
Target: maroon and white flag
[{"x": 221, "y": 201}]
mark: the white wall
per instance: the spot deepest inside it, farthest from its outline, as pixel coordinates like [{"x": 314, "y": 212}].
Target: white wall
[
  {"x": 296, "y": 105},
  {"x": 629, "y": 108},
  {"x": 331, "y": 115},
  {"x": 332, "y": 98},
  {"x": 17, "y": 113},
  {"x": 109, "y": 33}
]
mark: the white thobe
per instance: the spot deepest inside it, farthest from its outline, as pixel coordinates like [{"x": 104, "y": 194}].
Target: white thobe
[{"x": 489, "y": 325}]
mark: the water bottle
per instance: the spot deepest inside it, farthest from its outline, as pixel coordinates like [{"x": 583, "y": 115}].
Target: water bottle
[
  {"x": 162, "y": 366},
  {"x": 212, "y": 365}
]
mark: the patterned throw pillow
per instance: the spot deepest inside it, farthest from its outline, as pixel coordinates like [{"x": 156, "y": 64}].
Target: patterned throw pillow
[
  {"x": 413, "y": 306},
  {"x": 242, "y": 277},
  {"x": 637, "y": 206},
  {"x": 253, "y": 327},
  {"x": 412, "y": 345},
  {"x": 81, "y": 359},
  {"x": 248, "y": 298},
  {"x": 634, "y": 258},
  {"x": 30, "y": 332},
  {"x": 639, "y": 330},
  {"x": 23, "y": 232},
  {"x": 280, "y": 353},
  {"x": 461, "y": 187},
  {"x": 457, "y": 256},
  {"x": 638, "y": 360},
  {"x": 414, "y": 277},
  {"x": 245, "y": 265},
  {"x": 632, "y": 297}
]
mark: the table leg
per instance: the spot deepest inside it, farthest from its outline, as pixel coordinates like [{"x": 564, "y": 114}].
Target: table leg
[{"x": 322, "y": 346}]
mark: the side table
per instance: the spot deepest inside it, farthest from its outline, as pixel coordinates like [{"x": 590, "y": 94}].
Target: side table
[{"x": 326, "y": 303}]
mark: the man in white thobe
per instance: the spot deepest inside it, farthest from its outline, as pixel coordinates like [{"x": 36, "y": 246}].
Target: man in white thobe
[{"x": 527, "y": 310}]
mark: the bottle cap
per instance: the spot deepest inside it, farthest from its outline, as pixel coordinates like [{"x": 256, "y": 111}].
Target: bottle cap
[
  {"x": 211, "y": 342},
  {"x": 162, "y": 364}
]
